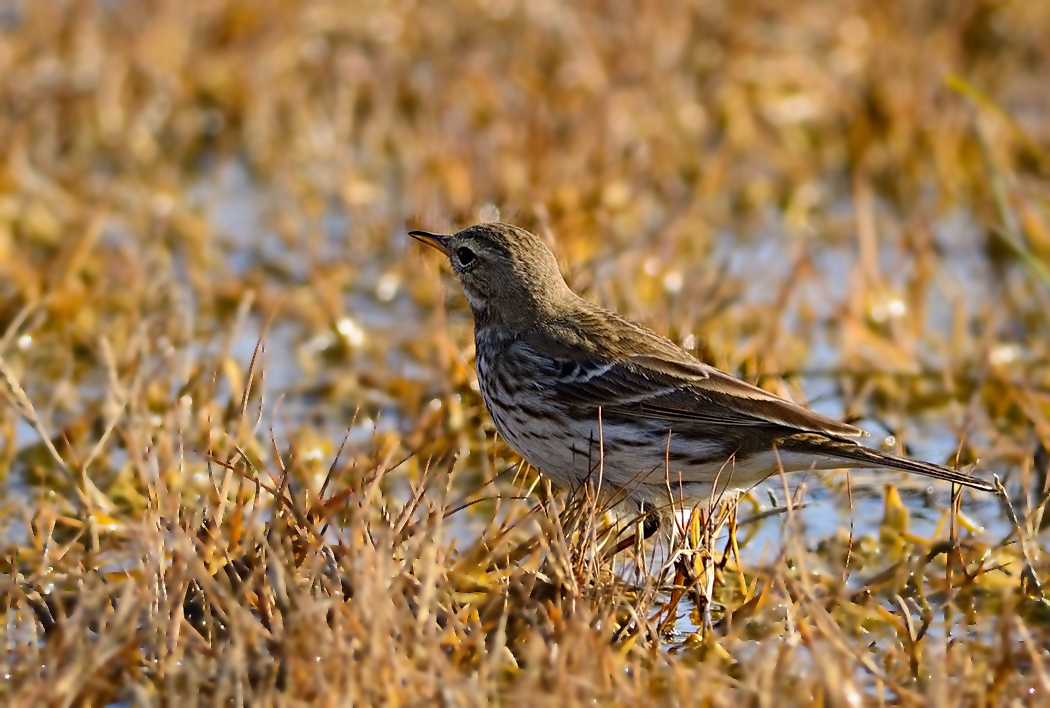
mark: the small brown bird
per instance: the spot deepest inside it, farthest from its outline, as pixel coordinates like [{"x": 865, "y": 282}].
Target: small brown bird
[{"x": 582, "y": 393}]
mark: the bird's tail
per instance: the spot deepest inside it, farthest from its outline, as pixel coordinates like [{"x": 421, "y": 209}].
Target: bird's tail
[{"x": 853, "y": 455}]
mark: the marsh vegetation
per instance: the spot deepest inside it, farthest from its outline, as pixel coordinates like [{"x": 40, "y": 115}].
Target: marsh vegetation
[{"x": 242, "y": 452}]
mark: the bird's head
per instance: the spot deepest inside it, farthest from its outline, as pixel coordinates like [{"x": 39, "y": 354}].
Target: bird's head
[{"x": 508, "y": 274}]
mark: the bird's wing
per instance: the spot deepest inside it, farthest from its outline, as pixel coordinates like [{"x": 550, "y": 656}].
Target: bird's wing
[{"x": 663, "y": 382}]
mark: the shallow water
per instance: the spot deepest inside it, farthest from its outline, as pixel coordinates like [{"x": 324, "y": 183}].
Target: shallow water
[{"x": 378, "y": 308}]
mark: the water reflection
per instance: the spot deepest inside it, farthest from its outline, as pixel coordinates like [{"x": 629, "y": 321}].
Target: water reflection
[{"x": 379, "y": 322}]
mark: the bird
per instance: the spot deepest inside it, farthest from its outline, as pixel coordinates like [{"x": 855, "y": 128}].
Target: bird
[{"x": 584, "y": 394}]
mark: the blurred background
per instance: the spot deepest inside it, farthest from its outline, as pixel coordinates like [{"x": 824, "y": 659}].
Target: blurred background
[
  {"x": 843, "y": 202},
  {"x": 206, "y": 286}
]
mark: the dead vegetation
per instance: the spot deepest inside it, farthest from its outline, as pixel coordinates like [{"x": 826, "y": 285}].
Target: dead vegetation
[{"x": 845, "y": 203}]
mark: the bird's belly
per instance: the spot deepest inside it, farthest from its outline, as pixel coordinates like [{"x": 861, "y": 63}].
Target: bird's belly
[{"x": 636, "y": 459}]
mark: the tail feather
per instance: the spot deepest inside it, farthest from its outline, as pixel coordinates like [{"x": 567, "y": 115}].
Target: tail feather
[{"x": 853, "y": 455}]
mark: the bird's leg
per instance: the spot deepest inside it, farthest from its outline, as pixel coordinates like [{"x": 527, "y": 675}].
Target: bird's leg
[
  {"x": 704, "y": 526},
  {"x": 686, "y": 582},
  {"x": 699, "y": 535},
  {"x": 708, "y": 560}
]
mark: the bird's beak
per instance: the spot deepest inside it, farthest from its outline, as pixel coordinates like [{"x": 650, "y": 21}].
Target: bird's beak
[{"x": 433, "y": 240}]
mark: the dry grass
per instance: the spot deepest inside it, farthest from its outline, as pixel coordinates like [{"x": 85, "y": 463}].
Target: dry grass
[{"x": 845, "y": 202}]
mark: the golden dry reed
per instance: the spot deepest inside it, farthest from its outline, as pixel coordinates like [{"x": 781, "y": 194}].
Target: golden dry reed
[{"x": 205, "y": 286}]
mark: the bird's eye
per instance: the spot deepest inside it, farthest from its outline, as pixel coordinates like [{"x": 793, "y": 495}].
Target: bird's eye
[{"x": 465, "y": 255}]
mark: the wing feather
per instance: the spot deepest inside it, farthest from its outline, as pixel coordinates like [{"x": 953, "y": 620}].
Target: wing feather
[{"x": 667, "y": 384}]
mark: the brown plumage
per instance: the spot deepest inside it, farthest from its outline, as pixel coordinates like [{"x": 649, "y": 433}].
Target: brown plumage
[{"x": 580, "y": 392}]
